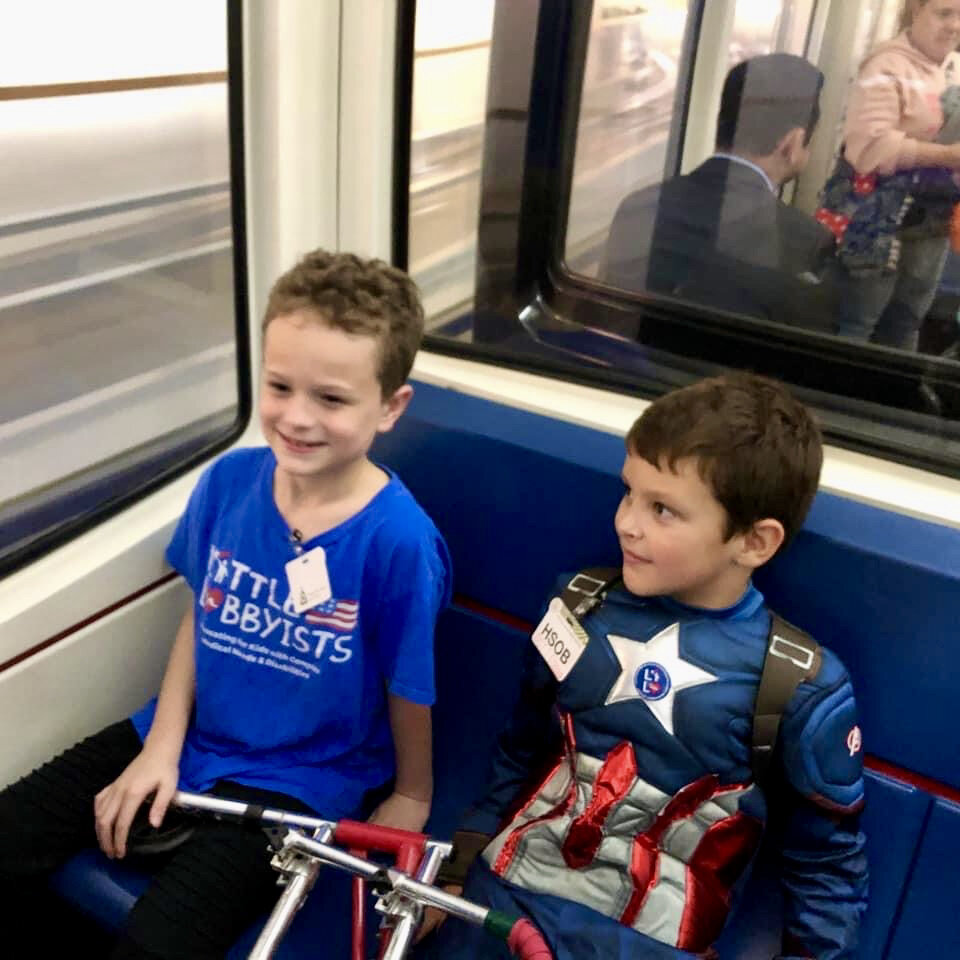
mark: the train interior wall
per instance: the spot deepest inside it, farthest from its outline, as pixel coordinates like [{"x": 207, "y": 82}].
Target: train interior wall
[{"x": 99, "y": 674}]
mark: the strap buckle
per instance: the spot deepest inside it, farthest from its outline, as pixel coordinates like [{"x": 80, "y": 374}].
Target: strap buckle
[
  {"x": 594, "y": 588},
  {"x": 787, "y": 650},
  {"x": 586, "y": 589},
  {"x": 589, "y": 588}
]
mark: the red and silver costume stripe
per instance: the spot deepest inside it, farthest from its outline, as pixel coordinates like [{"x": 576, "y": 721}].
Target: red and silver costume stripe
[{"x": 596, "y": 833}]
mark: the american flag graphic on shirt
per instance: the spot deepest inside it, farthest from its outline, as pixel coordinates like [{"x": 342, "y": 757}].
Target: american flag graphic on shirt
[{"x": 339, "y": 614}]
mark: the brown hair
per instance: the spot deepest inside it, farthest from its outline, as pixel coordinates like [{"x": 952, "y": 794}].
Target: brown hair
[
  {"x": 764, "y": 98},
  {"x": 357, "y": 296},
  {"x": 756, "y": 447},
  {"x": 906, "y": 16}
]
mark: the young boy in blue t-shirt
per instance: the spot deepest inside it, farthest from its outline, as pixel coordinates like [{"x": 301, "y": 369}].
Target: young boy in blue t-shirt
[
  {"x": 623, "y": 807},
  {"x": 302, "y": 673}
]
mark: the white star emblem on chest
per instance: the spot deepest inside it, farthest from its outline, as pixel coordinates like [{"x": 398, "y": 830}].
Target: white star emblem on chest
[{"x": 654, "y": 672}]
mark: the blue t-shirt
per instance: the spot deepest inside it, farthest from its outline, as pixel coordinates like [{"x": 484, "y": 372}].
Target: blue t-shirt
[{"x": 297, "y": 702}]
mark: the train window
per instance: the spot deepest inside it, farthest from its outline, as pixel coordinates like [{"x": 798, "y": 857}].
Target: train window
[
  {"x": 121, "y": 293},
  {"x": 451, "y": 59},
  {"x": 673, "y": 188}
]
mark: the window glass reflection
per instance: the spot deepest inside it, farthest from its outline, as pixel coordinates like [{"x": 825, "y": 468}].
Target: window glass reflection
[
  {"x": 856, "y": 244},
  {"x": 117, "y": 308},
  {"x": 721, "y": 235},
  {"x": 707, "y": 201},
  {"x": 451, "y": 63},
  {"x": 891, "y": 196},
  {"x": 626, "y": 112}
]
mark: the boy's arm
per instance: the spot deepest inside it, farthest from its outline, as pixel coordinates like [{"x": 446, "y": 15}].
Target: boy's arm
[
  {"x": 825, "y": 884},
  {"x": 419, "y": 570},
  {"x": 408, "y": 807},
  {"x": 156, "y": 768},
  {"x": 824, "y": 868}
]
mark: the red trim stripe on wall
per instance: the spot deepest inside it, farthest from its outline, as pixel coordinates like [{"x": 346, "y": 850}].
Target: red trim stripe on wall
[{"x": 93, "y": 618}]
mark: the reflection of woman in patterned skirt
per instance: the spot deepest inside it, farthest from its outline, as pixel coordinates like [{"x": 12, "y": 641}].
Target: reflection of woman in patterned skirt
[{"x": 890, "y": 199}]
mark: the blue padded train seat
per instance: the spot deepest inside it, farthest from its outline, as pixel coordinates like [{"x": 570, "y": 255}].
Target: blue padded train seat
[
  {"x": 893, "y": 821},
  {"x": 928, "y": 924},
  {"x": 103, "y": 889}
]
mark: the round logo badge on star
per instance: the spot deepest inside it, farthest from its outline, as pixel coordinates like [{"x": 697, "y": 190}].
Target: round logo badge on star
[{"x": 652, "y": 681}]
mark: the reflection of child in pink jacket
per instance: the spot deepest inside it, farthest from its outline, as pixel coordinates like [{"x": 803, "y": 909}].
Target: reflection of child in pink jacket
[
  {"x": 895, "y": 129},
  {"x": 894, "y": 107}
]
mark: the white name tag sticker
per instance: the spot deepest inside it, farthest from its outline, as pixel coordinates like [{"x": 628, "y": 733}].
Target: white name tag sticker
[
  {"x": 308, "y": 579},
  {"x": 560, "y": 639}
]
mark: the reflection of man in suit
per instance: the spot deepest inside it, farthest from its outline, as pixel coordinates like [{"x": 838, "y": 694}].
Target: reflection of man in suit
[{"x": 720, "y": 235}]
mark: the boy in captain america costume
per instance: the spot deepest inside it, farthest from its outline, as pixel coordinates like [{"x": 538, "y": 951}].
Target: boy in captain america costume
[{"x": 622, "y": 811}]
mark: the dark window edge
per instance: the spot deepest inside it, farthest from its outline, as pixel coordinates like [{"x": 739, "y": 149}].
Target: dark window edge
[{"x": 404, "y": 53}]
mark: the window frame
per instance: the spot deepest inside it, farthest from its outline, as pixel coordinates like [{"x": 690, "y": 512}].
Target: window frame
[
  {"x": 167, "y": 463},
  {"x": 538, "y": 285}
]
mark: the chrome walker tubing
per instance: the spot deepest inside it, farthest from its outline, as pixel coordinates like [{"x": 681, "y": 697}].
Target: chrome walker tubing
[
  {"x": 237, "y": 810},
  {"x": 397, "y": 881},
  {"x": 300, "y": 858},
  {"x": 400, "y": 900},
  {"x": 410, "y": 913},
  {"x": 300, "y": 878}
]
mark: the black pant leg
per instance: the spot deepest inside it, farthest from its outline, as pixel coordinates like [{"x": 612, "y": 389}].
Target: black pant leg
[
  {"x": 47, "y": 816},
  {"x": 210, "y": 890}
]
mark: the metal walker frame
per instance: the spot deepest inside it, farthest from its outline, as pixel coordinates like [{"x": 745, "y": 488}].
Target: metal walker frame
[{"x": 404, "y": 889}]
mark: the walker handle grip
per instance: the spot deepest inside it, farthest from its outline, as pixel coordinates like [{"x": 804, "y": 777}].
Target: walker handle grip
[
  {"x": 523, "y": 939},
  {"x": 370, "y": 836},
  {"x": 526, "y": 941}
]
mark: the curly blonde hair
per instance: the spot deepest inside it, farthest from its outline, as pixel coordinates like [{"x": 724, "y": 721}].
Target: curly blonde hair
[{"x": 357, "y": 296}]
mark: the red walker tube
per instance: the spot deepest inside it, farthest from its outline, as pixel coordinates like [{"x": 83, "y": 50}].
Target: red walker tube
[
  {"x": 359, "y": 910},
  {"x": 370, "y": 836},
  {"x": 407, "y": 848}
]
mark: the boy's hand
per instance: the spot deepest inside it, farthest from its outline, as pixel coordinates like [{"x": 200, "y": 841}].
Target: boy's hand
[
  {"x": 402, "y": 812},
  {"x": 432, "y": 917},
  {"x": 115, "y": 806}
]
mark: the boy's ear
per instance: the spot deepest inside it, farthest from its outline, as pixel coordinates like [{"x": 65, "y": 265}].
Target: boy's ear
[
  {"x": 393, "y": 407},
  {"x": 761, "y": 542},
  {"x": 791, "y": 147}
]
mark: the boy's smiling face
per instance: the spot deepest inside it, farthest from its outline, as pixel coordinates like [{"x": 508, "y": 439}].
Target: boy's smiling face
[
  {"x": 671, "y": 530},
  {"x": 321, "y": 403}
]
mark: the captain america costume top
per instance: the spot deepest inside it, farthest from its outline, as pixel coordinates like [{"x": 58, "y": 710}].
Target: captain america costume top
[{"x": 622, "y": 803}]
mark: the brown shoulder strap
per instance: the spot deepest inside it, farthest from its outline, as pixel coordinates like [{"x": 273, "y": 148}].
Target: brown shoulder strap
[{"x": 792, "y": 657}]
